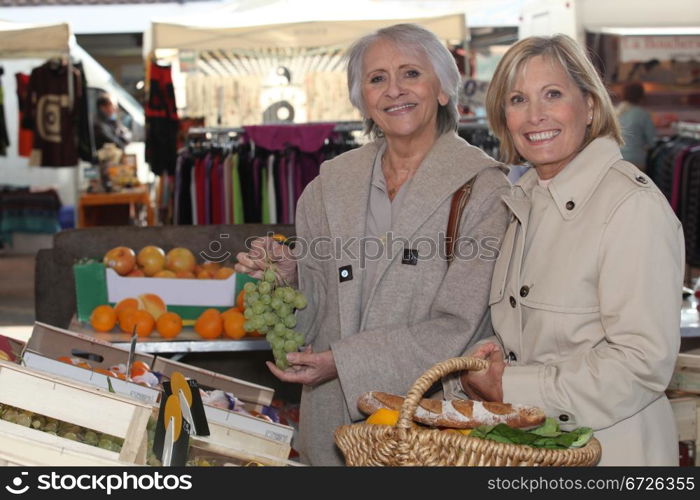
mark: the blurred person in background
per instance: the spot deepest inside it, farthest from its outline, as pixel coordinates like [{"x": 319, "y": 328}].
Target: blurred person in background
[
  {"x": 638, "y": 129},
  {"x": 107, "y": 127}
]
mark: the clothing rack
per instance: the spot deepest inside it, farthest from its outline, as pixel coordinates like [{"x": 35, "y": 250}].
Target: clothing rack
[{"x": 688, "y": 129}]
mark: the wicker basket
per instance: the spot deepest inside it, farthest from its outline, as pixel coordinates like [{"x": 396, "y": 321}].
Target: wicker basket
[{"x": 405, "y": 444}]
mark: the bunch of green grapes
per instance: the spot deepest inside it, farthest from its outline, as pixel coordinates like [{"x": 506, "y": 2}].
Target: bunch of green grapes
[{"x": 269, "y": 309}]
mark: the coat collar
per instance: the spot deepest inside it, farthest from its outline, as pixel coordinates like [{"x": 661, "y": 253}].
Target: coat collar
[
  {"x": 450, "y": 163},
  {"x": 573, "y": 187},
  {"x": 346, "y": 185}
]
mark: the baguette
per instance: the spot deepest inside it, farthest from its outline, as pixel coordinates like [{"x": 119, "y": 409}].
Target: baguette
[{"x": 457, "y": 413}]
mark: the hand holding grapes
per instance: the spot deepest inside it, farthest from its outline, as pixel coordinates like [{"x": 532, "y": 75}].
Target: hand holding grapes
[
  {"x": 269, "y": 309},
  {"x": 265, "y": 251},
  {"x": 308, "y": 367}
]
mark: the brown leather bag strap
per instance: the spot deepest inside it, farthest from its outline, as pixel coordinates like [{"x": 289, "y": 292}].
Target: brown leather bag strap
[{"x": 459, "y": 201}]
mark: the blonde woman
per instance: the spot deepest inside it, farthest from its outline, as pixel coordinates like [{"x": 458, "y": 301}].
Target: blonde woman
[{"x": 586, "y": 292}]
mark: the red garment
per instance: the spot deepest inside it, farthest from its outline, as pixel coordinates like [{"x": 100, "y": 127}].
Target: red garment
[
  {"x": 25, "y": 135},
  {"x": 215, "y": 177},
  {"x": 307, "y": 137},
  {"x": 162, "y": 122},
  {"x": 200, "y": 179}
]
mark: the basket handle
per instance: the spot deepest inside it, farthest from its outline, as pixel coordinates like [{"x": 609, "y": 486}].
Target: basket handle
[{"x": 425, "y": 381}]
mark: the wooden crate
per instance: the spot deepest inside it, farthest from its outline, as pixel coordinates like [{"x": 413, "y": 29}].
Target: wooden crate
[
  {"x": 240, "y": 455},
  {"x": 686, "y": 376},
  {"x": 686, "y": 409},
  {"x": 253, "y": 395},
  {"x": 77, "y": 404}
]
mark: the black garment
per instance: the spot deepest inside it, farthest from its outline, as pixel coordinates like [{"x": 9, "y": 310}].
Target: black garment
[
  {"x": 52, "y": 116},
  {"x": 108, "y": 129},
  {"x": 86, "y": 141},
  {"x": 4, "y": 139},
  {"x": 162, "y": 122}
]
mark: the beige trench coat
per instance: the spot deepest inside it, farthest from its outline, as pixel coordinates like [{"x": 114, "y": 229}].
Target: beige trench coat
[
  {"x": 586, "y": 299},
  {"x": 417, "y": 315}
]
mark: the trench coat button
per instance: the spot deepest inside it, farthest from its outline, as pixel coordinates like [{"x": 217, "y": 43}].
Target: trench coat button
[
  {"x": 512, "y": 301},
  {"x": 641, "y": 179},
  {"x": 570, "y": 205},
  {"x": 524, "y": 291},
  {"x": 512, "y": 356},
  {"x": 563, "y": 418}
]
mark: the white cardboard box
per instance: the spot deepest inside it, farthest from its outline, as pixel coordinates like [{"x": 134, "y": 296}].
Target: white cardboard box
[
  {"x": 234, "y": 420},
  {"x": 130, "y": 389}
]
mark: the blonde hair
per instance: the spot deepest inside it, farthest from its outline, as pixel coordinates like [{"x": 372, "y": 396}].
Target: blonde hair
[{"x": 564, "y": 50}]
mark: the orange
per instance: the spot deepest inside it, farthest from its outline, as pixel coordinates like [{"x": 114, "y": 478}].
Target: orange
[
  {"x": 240, "y": 299},
  {"x": 169, "y": 325},
  {"x": 103, "y": 318},
  {"x": 109, "y": 373},
  {"x": 383, "y": 416},
  {"x": 127, "y": 319},
  {"x": 126, "y": 303},
  {"x": 229, "y": 311},
  {"x": 142, "y": 320},
  {"x": 144, "y": 323},
  {"x": 139, "y": 368},
  {"x": 209, "y": 325},
  {"x": 223, "y": 273},
  {"x": 233, "y": 324}
]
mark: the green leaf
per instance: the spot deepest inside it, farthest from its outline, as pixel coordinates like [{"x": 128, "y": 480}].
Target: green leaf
[
  {"x": 584, "y": 435},
  {"x": 550, "y": 428}
]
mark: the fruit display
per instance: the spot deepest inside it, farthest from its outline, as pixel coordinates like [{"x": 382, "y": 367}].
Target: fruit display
[
  {"x": 269, "y": 310},
  {"x": 59, "y": 428},
  {"x": 152, "y": 261},
  {"x": 143, "y": 315}
]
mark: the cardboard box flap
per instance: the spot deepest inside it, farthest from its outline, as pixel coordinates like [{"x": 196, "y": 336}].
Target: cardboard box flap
[
  {"x": 245, "y": 391},
  {"x": 13, "y": 348},
  {"x": 54, "y": 342}
]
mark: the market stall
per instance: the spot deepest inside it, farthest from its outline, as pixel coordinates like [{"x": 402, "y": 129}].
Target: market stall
[{"x": 27, "y": 217}]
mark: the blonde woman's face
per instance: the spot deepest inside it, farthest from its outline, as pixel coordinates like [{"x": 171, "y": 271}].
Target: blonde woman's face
[{"x": 547, "y": 115}]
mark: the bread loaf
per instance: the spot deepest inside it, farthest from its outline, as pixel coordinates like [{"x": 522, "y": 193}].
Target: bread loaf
[{"x": 457, "y": 413}]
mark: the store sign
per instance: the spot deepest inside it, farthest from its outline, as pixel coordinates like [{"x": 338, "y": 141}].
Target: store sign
[{"x": 663, "y": 48}]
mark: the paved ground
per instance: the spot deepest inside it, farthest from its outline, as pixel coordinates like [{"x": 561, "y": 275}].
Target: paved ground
[{"x": 16, "y": 290}]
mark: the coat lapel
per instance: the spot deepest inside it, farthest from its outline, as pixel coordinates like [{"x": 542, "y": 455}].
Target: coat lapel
[
  {"x": 449, "y": 164},
  {"x": 345, "y": 197}
]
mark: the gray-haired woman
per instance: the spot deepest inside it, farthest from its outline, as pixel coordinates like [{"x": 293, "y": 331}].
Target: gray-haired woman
[{"x": 384, "y": 306}]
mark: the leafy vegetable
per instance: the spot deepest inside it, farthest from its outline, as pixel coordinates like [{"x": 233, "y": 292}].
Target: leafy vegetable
[{"x": 548, "y": 435}]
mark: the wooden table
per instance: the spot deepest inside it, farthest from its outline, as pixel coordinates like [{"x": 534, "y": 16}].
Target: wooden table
[{"x": 131, "y": 198}]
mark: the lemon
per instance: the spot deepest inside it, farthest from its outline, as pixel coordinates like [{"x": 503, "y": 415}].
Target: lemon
[{"x": 384, "y": 416}]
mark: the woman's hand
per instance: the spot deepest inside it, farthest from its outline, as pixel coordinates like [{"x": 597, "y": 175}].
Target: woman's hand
[
  {"x": 264, "y": 251},
  {"x": 487, "y": 384},
  {"x": 308, "y": 367}
]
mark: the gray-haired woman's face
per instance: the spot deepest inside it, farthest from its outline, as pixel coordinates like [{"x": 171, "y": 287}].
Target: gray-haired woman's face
[{"x": 401, "y": 91}]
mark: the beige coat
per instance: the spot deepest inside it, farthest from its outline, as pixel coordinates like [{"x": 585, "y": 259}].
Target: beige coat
[
  {"x": 418, "y": 314},
  {"x": 586, "y": 300}
]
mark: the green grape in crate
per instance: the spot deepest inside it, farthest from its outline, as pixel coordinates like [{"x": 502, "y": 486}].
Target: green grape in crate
[{"x": 269, "y": 309}]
